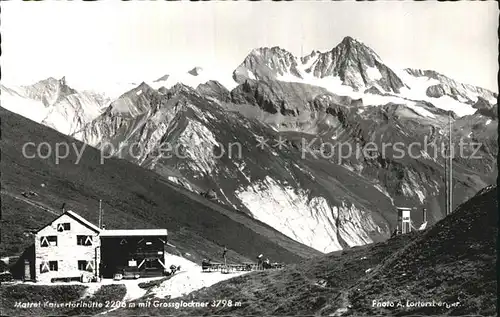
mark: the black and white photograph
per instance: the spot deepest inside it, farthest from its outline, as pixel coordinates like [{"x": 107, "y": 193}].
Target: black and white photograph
[{"x": 249, "y": 158}]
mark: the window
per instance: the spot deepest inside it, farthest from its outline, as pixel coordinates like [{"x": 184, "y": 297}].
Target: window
[
  {"x": 84, "y": 265},
  {"x": 84, "y": 240},
  {"x": 48, "y": 241},
  {"x": 64, "y": 227},
  {"x": 53, "y": 266}
]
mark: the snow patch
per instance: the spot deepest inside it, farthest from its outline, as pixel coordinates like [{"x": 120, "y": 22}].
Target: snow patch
[
  {"x": 28, "y": 108},
  {"x": 420, "y": 110},
  {"x": 384, "y": 191},
  {"x": 418, "y": 91},
  {"x": 251, "y": 75},
  {"x": 193, "y": 81},
  {"x": 189, "y": 279},
  {"x": 309, "y": 220},
  {"x": 373, "y": 73},
  {"x": 176, "y": 180},
  {"x": 413, "y": 188},
  {"x": 450, "y": 104}
]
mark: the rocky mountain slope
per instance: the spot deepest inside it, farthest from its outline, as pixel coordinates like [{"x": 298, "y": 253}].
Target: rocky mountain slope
[
  {"x": 55, "y": 104},
  {"x": 351, "y": 62},
  {"x": 132, "y": 197},
  {"x": 452, "y": 263},
  {"x": 208, "y": 140},
  {"x": 444, "y": 86},
  {"x": 449, "y": 264},
  {"x": 355, "y": 70},
  {"x": 200, "y": 144},
  {"x": 192, "y": 78},
  {"x": 347, "y": 140}
]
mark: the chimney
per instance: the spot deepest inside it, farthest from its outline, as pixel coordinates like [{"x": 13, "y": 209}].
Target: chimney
[
  {"x": 424, "y": 215},
  {"x": 63, "y": 208}
]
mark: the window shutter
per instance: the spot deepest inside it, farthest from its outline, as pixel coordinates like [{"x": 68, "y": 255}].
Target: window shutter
[
  {"x": 44, "y": 267},
  {"x": 90, "y": 266},
  {"x": 44, "y": 242},
  {"x": 88, "y": 240}
]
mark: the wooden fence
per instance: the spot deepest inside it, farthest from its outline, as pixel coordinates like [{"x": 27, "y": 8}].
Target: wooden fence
[{"x": 226, "y": 268}]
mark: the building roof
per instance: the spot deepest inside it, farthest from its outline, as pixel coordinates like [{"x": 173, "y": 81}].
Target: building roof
[
  {"x": 83, "y": 220},
  {"x": 404, "y": 208},
  {"x": 75, "y": 216},
  {"x": 133, "y": 232},
  {"x": 111, "y": 233}
]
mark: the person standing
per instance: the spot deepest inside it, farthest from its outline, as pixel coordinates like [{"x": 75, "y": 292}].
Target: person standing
[
  {"x": 224, "y": 253},
  {"x": 259, "y": 262}
]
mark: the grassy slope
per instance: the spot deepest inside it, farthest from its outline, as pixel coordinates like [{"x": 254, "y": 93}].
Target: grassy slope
[
  {"x": 291, "y": 291},
  {"x": 132, "y": 198},
  {"x": 11, "y": 294},
  {"x": 452, "y": 261}
]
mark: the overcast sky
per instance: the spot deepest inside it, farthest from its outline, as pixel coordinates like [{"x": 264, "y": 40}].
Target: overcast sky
[{"x": 142, "y": 40}]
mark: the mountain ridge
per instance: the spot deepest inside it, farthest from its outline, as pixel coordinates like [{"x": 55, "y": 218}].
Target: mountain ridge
[{"x": 331, "y": 202}]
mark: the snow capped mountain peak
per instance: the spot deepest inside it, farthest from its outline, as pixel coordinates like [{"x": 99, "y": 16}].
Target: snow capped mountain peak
[
  {"x": 135, "y": 101},
  {"x": 349, "y": 40},
  {"x": 356, "y": 49},
  {"x": 192, "y": 78},
  {"x": 162, "y": 78},
  {"x": 180, "y": 87},
  {"x": 355, "y": 65},
  {"x": 269, "y": 50},
  {"x": 52, "y": 102},
  {"x": 267, "y": 63},
  {"x": 351, "y": 64},
  {"x": 48, "y": 91},
  {"x": 143, "y": 86},
  {"x": 443, "y": 86},
  {"x": 195, "y": 71}
]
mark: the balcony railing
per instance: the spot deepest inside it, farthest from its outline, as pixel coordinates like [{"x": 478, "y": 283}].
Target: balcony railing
[{"x": 147, "y": 254}]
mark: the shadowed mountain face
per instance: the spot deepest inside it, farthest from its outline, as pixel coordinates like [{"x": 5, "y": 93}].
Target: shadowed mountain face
[
  {"x": 452, "y": 262},
  {"x": 347, "y": 139},
  {"x": 266, "y": 64}
]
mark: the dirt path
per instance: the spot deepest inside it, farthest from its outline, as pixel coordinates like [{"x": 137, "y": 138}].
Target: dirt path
[
  {"x": 31, "y": 202},
  {"x": 133, "y": 290}
]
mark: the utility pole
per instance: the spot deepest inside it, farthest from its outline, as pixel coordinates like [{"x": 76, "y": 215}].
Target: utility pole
[
  {"x": 450, "y": 189},
  {"x": 102, "y": 219},
  {"x": 100, "y": 214},
  {"x": 445, "y": 177}
]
